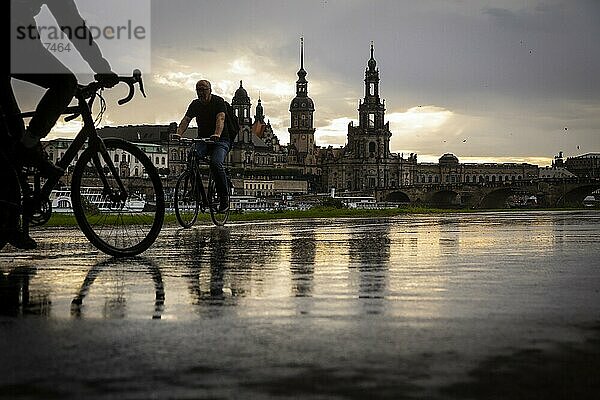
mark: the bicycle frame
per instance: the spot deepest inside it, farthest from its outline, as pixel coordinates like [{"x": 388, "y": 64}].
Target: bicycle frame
[
  {"x": 193, "y": 165},
  {"x": 87, "y": 133}
]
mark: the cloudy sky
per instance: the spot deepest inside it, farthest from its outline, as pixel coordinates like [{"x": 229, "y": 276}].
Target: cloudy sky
[{"x": 503, "y": 80}]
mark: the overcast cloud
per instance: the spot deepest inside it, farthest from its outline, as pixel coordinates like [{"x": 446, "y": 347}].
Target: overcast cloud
[{"x": 484, "y": 80}]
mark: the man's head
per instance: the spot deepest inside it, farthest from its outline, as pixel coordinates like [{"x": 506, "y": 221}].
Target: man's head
[{"x": 203, "y": 90}]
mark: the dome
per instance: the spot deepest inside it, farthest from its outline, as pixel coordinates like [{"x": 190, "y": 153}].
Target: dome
[
  {"x": 372, "y": 64},
  {"x": 241, "y": 96},
  {"x": 302, "y": 103},
  {"x": 448, "y": 158}
]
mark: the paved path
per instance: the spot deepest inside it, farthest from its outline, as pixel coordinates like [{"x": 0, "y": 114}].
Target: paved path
[{"x": 456, "y": 306}]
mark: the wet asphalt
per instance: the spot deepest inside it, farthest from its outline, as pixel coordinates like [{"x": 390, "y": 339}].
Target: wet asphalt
[{"x": 482, "y": 306}]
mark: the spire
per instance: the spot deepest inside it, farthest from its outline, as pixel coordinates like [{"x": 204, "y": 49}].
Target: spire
[
  {"x": 372, "y": 63},
  {"x": 301, "y": 72},
  {"x": 302, "y": 52},
  {"x": 260, "y": 114}
]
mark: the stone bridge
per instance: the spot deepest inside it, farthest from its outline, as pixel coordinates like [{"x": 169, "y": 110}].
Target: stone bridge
[{"x": 549, "y": 193}]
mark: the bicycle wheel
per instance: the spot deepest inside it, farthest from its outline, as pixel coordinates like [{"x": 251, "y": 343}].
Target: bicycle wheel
[
  {"x": 119, "y": 223},
  {"x": 187, "y": 199},
  {"x": 218, "y": 218}
]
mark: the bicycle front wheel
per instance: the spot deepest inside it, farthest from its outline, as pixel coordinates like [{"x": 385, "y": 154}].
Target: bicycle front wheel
[
  {"x": 218, "y": 218},
  {"x": 118, "y": 198},
  {"x": 187, "y": 199}
]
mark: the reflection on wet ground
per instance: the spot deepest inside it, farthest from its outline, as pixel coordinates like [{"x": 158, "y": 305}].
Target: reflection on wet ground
[{"x": 485, "y": 305}]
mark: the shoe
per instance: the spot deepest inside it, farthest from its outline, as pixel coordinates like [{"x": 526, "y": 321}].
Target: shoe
[
  {"x": 36, "y": 157},
  {"x": 21, "y": 240}
]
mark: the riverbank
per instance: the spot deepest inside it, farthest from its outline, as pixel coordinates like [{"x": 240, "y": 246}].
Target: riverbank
[{"x": 320, "y": 212}]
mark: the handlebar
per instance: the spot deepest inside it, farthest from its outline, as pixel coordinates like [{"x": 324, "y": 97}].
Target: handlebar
[
  {"x": 90, "y": 89},
  {"x": 131, "y": 81}
]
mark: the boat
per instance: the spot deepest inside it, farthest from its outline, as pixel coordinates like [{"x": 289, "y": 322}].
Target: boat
[{"x": 62, "y": 203}]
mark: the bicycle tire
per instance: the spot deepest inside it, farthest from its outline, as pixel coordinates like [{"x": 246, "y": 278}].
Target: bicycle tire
[
  {"x": 186, "y": 199},
  {"x": 115, "y": 225},
  {"x": 218, "y": 218}
]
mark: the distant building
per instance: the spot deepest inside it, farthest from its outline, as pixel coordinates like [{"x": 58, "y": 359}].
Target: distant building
[
  {"x": 261, "y": 166},
  {"x": 557, "y": 170},
  {"x": 450, "y": 171},
  {"x": 584, "y": 166},
  {"x": 56, "y": 149},
  {"x": 366, "y": 163}
]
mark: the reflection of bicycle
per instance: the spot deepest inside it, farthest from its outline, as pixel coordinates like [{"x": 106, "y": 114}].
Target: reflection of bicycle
[
  {"x": 116, "y": 192},
  {"x": 118, "y": 266},
  {"x": 191, "y": 197}
]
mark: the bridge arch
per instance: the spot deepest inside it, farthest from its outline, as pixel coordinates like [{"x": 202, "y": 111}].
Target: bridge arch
[
  {"x": 496, "y": 198},
  {"x": 445, "y": 198},
  {"x": 398, "y": 197},
  {"x": 574, "y": 197}
]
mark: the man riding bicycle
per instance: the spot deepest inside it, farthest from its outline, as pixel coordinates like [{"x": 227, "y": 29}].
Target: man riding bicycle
[
  {"x": 209, "y": 111},
  {"x": 30, "y": 61}
]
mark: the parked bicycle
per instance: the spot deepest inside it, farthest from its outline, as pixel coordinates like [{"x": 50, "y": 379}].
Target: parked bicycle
[
  {"x": 192, "y": 196},
  {"x": 117, "y": 195}
]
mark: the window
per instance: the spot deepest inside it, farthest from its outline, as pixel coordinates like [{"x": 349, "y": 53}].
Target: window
[
  {"x": 116, "y": 158},
  {"x": 371, "y": 120},
  {"x": 371, "y": 89},
  {"x": 372, "y": 147},
  {"x": 162, "y": 161}
]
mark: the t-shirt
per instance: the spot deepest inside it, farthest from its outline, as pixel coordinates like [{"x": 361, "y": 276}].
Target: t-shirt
[{"x": 206, "y": 116}]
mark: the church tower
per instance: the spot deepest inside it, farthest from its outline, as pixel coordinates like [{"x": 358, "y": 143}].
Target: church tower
[
  {"x": 241, "y": 108},
  {"x": 302, "y": 132},
  {"x": 371, "y": 139}
]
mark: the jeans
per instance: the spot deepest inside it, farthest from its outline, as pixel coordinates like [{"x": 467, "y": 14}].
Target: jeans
[{"x": 218, "y": 151}]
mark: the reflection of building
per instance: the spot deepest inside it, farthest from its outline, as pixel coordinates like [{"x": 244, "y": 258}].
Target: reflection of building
[{"x": 584, "y": 166}]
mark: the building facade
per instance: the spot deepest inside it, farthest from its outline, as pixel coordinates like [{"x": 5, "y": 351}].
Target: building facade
[
  {"x": 262, "y": 166},
  {"x": 366, "y": 162}
]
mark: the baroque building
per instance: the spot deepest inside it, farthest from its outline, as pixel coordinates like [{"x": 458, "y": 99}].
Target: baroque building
[
  {"x": 366, "y": 162},
  {"x": 302, "y": 148},
  {"x": 262, "y": 166}
]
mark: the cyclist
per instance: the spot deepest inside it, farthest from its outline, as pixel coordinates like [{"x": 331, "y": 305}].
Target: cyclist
[
  {"x": 209, "y": 111},
  {"x": 30, "y": 61}
]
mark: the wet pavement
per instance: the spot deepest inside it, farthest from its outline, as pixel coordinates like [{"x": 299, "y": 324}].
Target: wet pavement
[{"x": 483, "y": 306}]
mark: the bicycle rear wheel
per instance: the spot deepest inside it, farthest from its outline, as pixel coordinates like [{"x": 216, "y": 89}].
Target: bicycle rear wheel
[
  {"x": 187, "y": 199},
  {"x": 119, "y": 223},
  {"x": 218, "y": 218}
]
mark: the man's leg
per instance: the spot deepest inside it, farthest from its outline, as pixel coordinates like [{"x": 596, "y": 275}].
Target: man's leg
[
  {"x": 217, "y": 161},
  {"x": 61, "y": 89}
]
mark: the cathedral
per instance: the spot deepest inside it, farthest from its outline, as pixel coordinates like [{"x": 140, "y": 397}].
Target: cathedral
[{"x": 366, "y": 162}]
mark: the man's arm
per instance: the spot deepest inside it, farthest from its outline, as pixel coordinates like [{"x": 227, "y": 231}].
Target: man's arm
[
  {"x": 220, "y": 123},
  {"x": 67, "y": 15},
  {"x": 183, "y": 125}
]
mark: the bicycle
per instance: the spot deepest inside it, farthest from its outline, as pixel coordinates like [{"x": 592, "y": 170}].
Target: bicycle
[
  {"x": 103, "y": 191},
  {"x": 190, "y": 195}
]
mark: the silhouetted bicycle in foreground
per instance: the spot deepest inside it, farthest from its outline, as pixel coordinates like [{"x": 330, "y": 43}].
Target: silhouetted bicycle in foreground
[
  {"x": 191, "y": 197},
  {"x": 117, "y": 195}
]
